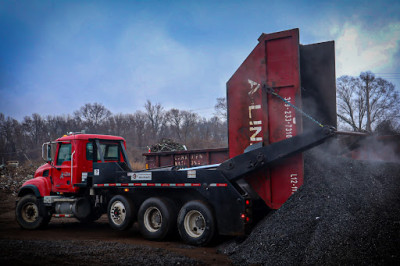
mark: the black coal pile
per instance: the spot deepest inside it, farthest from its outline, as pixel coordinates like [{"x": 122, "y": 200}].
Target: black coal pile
[
  {"x": 167, "y": 145},
  {"x": 347, "y": 212}
]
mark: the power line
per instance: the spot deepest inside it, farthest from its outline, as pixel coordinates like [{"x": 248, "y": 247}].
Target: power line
[
  {"x": 392, "y": 76},
  {"x": 198, "y": 109}
]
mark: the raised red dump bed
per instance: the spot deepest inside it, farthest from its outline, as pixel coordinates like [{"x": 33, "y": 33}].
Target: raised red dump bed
[{"x": 254, "y": 115}]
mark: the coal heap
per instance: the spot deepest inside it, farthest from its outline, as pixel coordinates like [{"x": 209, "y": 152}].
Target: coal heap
[{"x": 347, "y": 212}]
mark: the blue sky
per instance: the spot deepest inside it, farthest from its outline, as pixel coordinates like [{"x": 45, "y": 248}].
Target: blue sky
[{"x": 55, "y": 56}]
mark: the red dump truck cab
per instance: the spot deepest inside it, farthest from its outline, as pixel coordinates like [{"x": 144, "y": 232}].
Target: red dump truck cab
[{"x": 72, "y": 161}]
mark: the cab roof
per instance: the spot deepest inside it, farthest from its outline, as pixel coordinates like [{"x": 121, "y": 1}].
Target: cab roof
[{"x": 89, "y": 136}]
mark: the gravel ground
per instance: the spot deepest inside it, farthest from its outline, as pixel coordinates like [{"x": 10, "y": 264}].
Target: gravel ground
[
  {"x": 347, "y": 212},
  {"x": 68, "y": 242},
  {"x": 67, "y": 252}
]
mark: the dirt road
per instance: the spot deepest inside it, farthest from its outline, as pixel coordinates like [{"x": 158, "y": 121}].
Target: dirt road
[{"x": 69, "y": 242}]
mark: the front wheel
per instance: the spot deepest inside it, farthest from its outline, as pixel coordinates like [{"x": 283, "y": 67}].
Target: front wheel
[
  {"x": 196, "y": 224},
  {"x": 120, "y": 213},
  {"x": 31, "y": 213}
]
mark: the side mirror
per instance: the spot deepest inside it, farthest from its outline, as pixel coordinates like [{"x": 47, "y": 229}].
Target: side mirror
[{"x": 46, "y": 152}]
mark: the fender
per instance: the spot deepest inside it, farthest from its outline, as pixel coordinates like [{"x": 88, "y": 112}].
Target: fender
[
  {"x": 40, "y": 186},
  {"x": 28, "y": 189}
]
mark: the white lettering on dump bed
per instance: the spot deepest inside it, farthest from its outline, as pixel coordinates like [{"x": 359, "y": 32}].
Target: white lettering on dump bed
[{"x": 255, "y": 125}]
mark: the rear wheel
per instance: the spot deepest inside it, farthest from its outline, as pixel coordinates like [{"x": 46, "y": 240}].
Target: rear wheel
[
  {"x": 120, "y": 213},
  {"x": 196, "y": 223},
  {"x": 157, "y": 218},
  {"x": 31, "y": 213}
]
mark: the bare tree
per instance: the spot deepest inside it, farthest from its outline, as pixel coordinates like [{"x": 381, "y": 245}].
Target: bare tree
[
  {"x": 174, "y": 118},
  {"x": 92, "y": 115},
  {"x": 60, "y": 125},
  {"x": 35, "y": 127},
  {"x": 221, "y": 108},
  {"x": 189, "y": 121},
  {"x": 138, "y": 121},
  {"x": 117, "y": 124},
  {"x": 156, "y": 118},
  {"x": 366, "y": 101},
  {"x": 11, "y": 138}
]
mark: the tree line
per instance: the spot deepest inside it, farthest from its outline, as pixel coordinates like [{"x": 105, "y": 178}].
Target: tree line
[
  {"x": 22, "y": 140},
  {"x": 365, "y": 104}
]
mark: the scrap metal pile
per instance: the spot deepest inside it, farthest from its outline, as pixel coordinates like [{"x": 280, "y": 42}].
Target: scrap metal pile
[{"x": 167, "y": 145}]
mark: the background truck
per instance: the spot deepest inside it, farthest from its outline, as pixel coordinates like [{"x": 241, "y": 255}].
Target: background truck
[{"x": 87, "y": 175}]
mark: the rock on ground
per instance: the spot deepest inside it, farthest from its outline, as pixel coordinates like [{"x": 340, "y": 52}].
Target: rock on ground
[{"x": 347, "y": 212}]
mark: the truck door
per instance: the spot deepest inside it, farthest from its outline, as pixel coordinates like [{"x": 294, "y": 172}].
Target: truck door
[{"x": 65, "y": 168}]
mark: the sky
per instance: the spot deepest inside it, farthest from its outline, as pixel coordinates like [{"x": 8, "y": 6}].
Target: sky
[{"x": 56, "y": 56}]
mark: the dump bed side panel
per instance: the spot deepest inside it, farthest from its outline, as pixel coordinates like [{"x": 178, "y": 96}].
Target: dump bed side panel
[{"x": 256, "y": 116}]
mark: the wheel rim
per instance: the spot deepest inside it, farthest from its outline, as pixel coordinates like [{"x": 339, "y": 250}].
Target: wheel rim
[
  {"x": 152, "y": 219},
  {"x": 118, "y": 212},
  {"x": 30, "y": 212},
  {"x": 194, "y": 224}
]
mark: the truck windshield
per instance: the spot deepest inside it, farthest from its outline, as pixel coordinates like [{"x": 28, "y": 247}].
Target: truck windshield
[
  {"x": 64, "y": 153},
  {"x": 110, "y": 151}
]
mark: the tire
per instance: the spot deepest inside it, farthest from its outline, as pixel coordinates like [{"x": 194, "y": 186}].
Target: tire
[
  {"x": 31, "y": 213},
  {"x": 120, "y": 213},
  {"x": 157, "y": 218},
  {"x": 196, "y": 223},
  {"x": 94, "y": 215}
]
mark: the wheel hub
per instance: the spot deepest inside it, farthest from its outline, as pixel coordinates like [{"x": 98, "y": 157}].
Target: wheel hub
[
  {"x": 152, "y": 219},
  {"x": 156, "y": 218},
  {"x": 194, "y": 223},
  {"x": 199, "y": 222},
  {"x": 118, "y": 212},
  {"x": 30, "y": 212}
]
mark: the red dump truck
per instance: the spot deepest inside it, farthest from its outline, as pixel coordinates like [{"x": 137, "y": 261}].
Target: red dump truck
[{"x": 87, "y": 175}]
